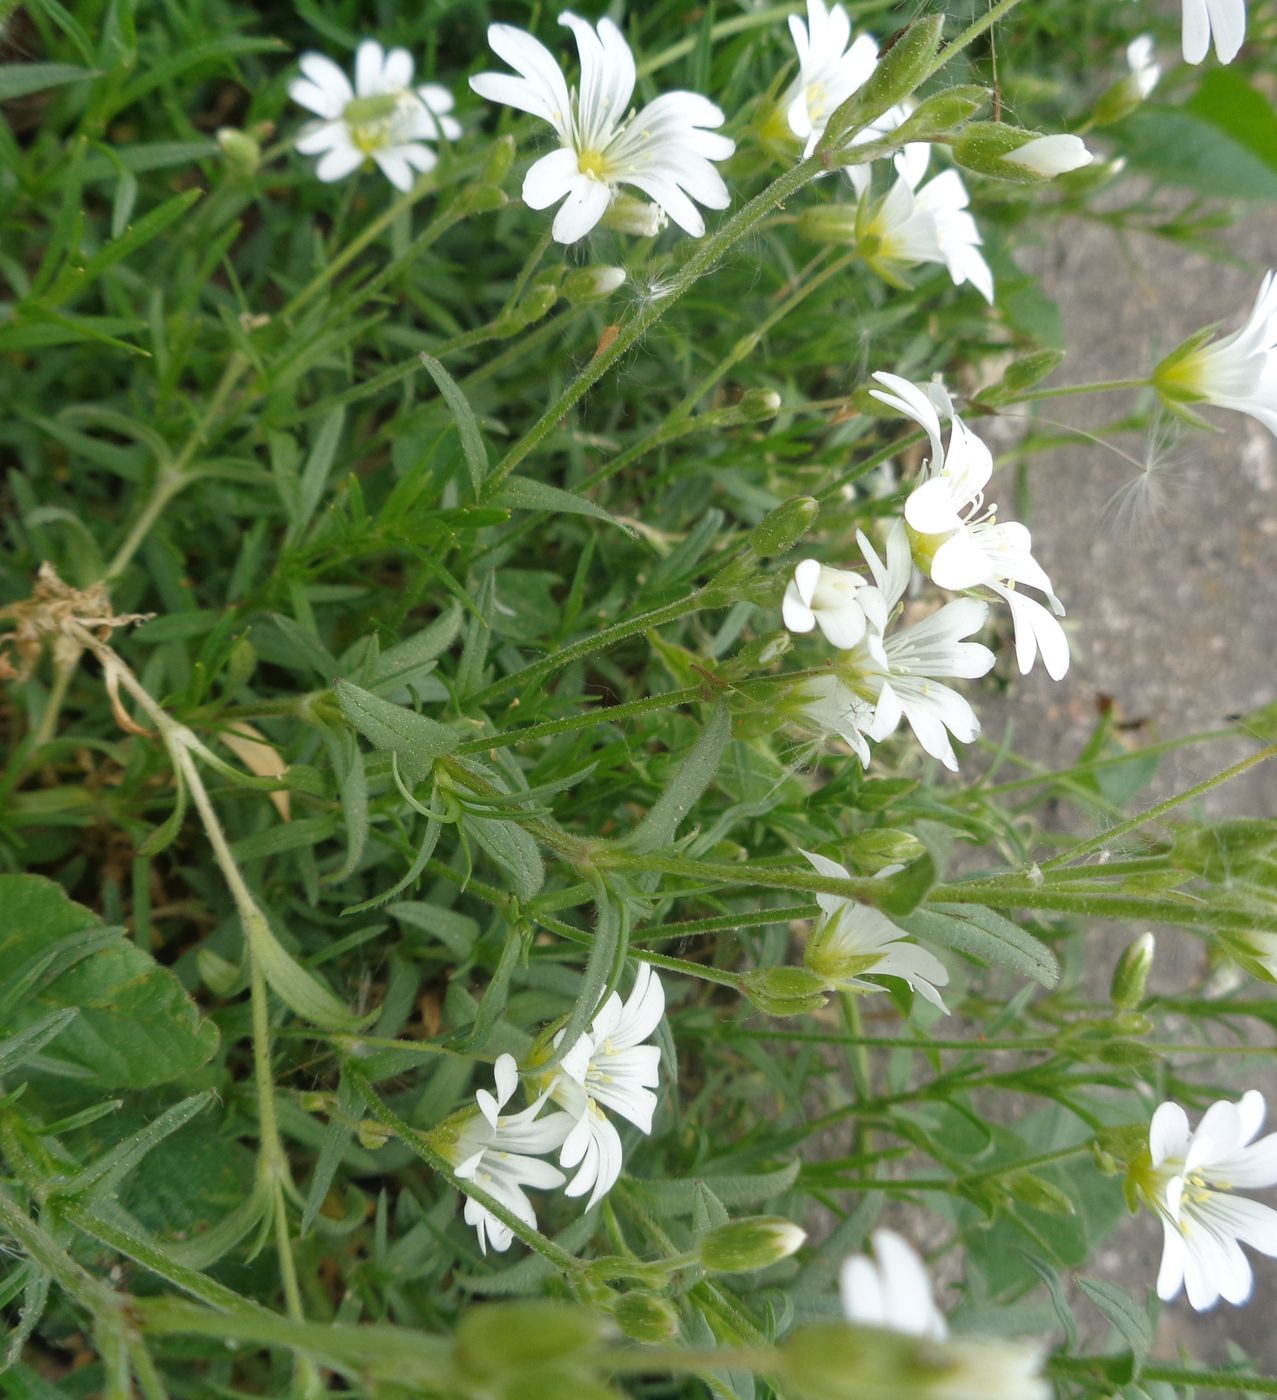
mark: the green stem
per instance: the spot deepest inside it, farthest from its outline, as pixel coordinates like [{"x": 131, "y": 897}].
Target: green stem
[
  {"x": 1123, "y": 828},
  {"x": 1069, "y": 390},
  {"x": 716, "y": 975},
  {"x": 739, "y": 226},
  {"x": 1189, "y": 1377},
  {"x": 972, "y": 32},
  {"x": 1097, "y": 765},
  {"x": 610, "y": 714}
]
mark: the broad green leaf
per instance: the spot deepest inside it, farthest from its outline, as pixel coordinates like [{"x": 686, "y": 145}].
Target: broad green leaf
[
  {"x": 136, "y": 1026},
  {"x": 522, "y": 493},
  {"x": 907, "y": 888},
  {"x": 295, "y": 987},
  {"x": 1181, "y": 148},
  {"x": 467, "y": 424},
  {"x": 985, "y": 936},
  {"x": 415, "y": 740},
  {"x": 1226, "y": 100},
  {"x": 695, "y": 773},
  {"x": 19, "y": 79}
]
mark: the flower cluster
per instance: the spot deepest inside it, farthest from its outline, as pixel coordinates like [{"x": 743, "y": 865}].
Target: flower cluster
[
  {"x": 607, "y": 1067},
  {"x": 885, "y": 673}
]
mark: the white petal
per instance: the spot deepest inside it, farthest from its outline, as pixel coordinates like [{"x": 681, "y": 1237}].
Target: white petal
[
  {"x": 581, "y": 210},
  {"x": 931, "y": 509},
  {"x": 1168, "y": 1134},
  {"x": 340, "y": 161},
  {"x": 551, "y": 179},
  {"x": 829, "y": 903},
  {"x": 1228, "y": 25},
  {"x": 961, "y": 563},
  {"x": 1170, "y": 1276},
  {"x": 395, "y": 168}
]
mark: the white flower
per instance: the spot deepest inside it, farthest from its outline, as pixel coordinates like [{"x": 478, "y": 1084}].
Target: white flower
[
  {"x": 960, "y": 541},
  {"x": 382, "y": 118},
  {"x": 1238, "y": 372},
  {"x": 830, "y": 707},
  {"x": 499, "y": 1153},
  {"x": 1224, "y": 20},
  {"x": 853, "y": 939},
  {"x": 1189, "y": 1185},
  {"x": 928, "y": 224},
  {"x": 830, "y": 68},
  {"x": 664, "y": 150},
  {"x": 609, "y": 1067},
  {"x": 1049, "y": 156},
  {"x": 1144, "y": 68},
  {"x": 892, "y": 1292},
  {"x": 839, "y": 602}
]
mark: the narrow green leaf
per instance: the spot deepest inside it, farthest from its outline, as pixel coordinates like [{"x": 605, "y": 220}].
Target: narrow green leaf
[
  {"x": 986, "y": 936},
  {"x": 413, "y": 659},
  {"x": 101, "y": 1177},
  {"x": 695, "y": 773},
  {"x": 467, "y": 424},
  {"x": 680, "y": 1197},
  {"x": 17, "y": 1049},
  {"x": 1130, "y": 1320},
  {"x": 314, "y": 478},
  {"x": 415, "y": 740},
  {"x": 298, "y": 989},
  {"x": 75, "y": 278},
  {"x": 19, "y": 79},
  {"x": 522, "y": 493},
  {"x": 513, "y": 850}
]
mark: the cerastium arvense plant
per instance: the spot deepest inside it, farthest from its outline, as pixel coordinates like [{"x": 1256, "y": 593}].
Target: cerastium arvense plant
[{"x": 486, "y": 913}]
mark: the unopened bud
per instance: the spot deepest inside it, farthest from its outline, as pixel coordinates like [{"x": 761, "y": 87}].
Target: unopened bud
[
  {"x": 784, "y": 991},
  {"x": 482, "y": 199},
  {"x": 758, "y": 405},
  {"x": 636, "y": 217},
  {"x": 898, "y": 72},
  {"x": 756, "y": 655},
  {"x": 240, "y": 151},
  {"x": 315, "y": 1101},
  {"x": 942, "y": 114},
  {"x": 1118, "y": 101},
  {"x": 871, "y": 851},
  {"x": 1011, "y": 153},
  {"x": 592, "y": 284},
  {"x": 500, "y": 159},
  {"x": 501, "y": 1338},
  {"x": 781, "y": 529},
  {"x": 829, "y": 223},
  {"x": 744, "y": 1246},
  {"x": 1024, "y": 373},
  {"x": 1130, "y": 976},
  {"x": 372, "y": 1135},
  {"x": 646, "y": 1317}
]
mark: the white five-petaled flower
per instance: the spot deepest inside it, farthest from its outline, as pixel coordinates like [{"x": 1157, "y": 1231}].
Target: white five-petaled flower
[
  {"x": 852, "y": 939},
  {"x": 665, "y": 150},
  {"x": 960, "y": 542},
  {"x": 609, "y": 1067},
  {"x": 1238, "y": 372},
  {"x": 891, "y": 1292},
  {"x": 900, "y": 670},
  {"x": 1144, "y": 67},
  {"x": 916, "y": 223},
  {"x": 837, "y": 601},
  {"x": 1189, "y": 1185},
  {"x": 831, "y": 67},
  {"x": 1222, "y": 20},
  {"x": 500, "y": 1153},
  {"x": 381, "y": 118}
]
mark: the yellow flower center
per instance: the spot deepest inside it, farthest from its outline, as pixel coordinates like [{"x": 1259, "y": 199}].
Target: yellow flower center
[
  {"x": 592, "y": 164},
  {"x": 370, "y": 120}
]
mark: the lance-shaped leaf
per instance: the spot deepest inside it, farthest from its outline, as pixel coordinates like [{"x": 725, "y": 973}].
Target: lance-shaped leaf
[{"x": 415, "y": 740}]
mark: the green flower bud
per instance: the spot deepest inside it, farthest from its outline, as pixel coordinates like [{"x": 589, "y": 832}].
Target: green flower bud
[
  {"x": 899, "y": 71},
  {"x": 241, "y": 152},
  {"x": 829, "y": 223},
  {"x": 1040, "y": 1194},
  {"x": 372, "y": 1135},
  {"x": 784, "y": 991},
  {"x": 646, "y": 1317},
  {"x": 1130, "y": 976},
  {"x": 1118, "y": 101},
  {"x": 757, "y": 655},
  {"x": 482, "y": 199},
  {"x": 744, "y": 1246},
  {"x": 315, "y": 1101},
  {"x": 872, "y": 850},
  {"x": 781, "y": 529},
  {"x": 502, "y": 1338},
  {"x": 1011, "y": 153},
  {"x": 592, "y": 284},
  {"x": 500, "y": 159},
  {"x": 758, "y": 405},
  {"x": 941, "y": 114},
  {"x": 636, "y": 217},
  {"x": 1022, "y": 374}
]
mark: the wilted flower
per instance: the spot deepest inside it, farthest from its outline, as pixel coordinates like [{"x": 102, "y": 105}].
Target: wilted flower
[
  {"x": 1189, "y": 1183},
  {"x": 959, "y": 540},
  {"x": 609, "y": 1067},
  {"x": 664, "y": 150},
  {"x": 499, "y": 1153},
  {"x": 830, "y": 68},
  {"x": 852, "y": 939},
  {"x": 382, "y": 118},
  {"x": 892, "y": 1292},
  {"x": 1238, "y": 372},
  {"x": 1223, "y": 20}
]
